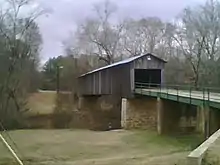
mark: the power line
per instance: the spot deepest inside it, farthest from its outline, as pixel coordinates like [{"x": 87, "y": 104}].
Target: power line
[
  {"x": 11, "y": 150},
  {"x": 8, "y": 146}
]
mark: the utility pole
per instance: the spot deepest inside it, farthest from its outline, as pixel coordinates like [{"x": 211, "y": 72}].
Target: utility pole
[{"x": 58, "y": 78}]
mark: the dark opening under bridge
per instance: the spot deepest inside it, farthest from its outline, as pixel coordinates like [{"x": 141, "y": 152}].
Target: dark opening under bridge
[{"x": 202, "y": 105}]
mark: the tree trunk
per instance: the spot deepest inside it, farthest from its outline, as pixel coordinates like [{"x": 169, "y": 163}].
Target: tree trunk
[{"x": 196, "y": 80}]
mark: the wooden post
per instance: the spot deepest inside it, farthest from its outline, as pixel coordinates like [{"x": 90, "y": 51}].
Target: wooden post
[
  {"x": 58, "y": 79},
  {"x": 177, "y": 93}
]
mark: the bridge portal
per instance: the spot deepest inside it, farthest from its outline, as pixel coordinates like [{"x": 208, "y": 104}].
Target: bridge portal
[
  {"x": 149, "y": 77},
  {"x": 114, "y": 82}
]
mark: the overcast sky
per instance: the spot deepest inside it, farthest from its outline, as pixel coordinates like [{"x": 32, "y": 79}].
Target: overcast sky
[{"x": 65, "y": 14}]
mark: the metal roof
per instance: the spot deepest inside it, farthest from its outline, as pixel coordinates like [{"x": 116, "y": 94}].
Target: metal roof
[{"x": 128, "y": 60}]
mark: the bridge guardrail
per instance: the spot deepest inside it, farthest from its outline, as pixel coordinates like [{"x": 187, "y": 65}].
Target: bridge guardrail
[{"x": 202, "y": 93}]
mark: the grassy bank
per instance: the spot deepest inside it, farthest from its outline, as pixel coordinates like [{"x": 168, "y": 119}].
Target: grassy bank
[{"x": 55, "y": 147}]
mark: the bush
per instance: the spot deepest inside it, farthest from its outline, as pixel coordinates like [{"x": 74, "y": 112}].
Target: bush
[
  {"x": 62, "y": 115},
  {"x": 61, "y": 119}
]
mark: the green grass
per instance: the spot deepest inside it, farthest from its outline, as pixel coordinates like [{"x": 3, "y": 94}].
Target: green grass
[
  {"x": 81, "y": 147},
  {"x": 148, "y": 139},
  {"x": 41, "y": 103},
  {"x": 212, "y": 156}
]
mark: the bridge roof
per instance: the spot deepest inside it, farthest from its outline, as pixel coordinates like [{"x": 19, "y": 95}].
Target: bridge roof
[{"x": 126, "y": 61}]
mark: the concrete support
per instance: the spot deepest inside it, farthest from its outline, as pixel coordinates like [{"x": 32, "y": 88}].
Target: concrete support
[
  {"x": 203, "y": 120},
  {"x": 80, "y": 102},
  {"x": 207, "y": 123},
  {"x": 200, "y": 124},
  {"x": 140, "y": 113},
  {"x": 123, "y": 113},
  {"x": 159, "y": 115}
]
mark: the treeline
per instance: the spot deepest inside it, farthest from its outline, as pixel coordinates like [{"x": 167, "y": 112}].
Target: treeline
[
  {"x": 64, "y": 69},
  {"x": 20, "y": 42},
  {"x": 190, "y": 43}
]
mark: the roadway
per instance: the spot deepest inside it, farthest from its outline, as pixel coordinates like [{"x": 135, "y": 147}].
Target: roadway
[{"x": 198, "y": 95}]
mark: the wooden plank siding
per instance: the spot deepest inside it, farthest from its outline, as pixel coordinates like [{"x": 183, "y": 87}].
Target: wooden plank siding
[
  {"x": 117, "y": 80},
  {"x": 144, "y": 63}
]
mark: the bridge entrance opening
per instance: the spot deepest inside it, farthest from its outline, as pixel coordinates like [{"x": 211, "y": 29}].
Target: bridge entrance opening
[{"x": 149, "y": 77}]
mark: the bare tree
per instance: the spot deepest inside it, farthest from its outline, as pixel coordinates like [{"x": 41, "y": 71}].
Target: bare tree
[
  {"x": 194, "y": 38},
  {"x": 134, "y": 40},
  {"x": 210, "y": 16},
  {"x": 166, "y": 46},
  {"x": 191, "y": 39},
  {"x": 101, "y": 33},
  {"x": 143, "y": 35},
  {"x": 198, "y": 37},
  {"x": 17, "y": 30}
]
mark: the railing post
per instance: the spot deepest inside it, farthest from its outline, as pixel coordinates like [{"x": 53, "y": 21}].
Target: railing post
[
  {"x": 160, "y": 89},
  {"x": 208, "y": 113},
  {"x": 141, "y": 89},
  {"x": 190, "y": 94},
  {"x": 208, "y": 95},
  {"x": 177, "y": 93}
]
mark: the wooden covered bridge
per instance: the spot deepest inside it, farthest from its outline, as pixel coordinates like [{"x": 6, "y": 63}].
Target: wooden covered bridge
[
  {"x": 120, "y": 78},
  {"x": 146, "y": 101}
]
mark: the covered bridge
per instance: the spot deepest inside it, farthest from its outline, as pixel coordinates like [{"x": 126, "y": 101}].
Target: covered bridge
[{"x": 120, "y": 78}]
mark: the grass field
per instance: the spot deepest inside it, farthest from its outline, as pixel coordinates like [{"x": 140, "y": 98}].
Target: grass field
[
  {"x": 42, "y": 103},
  {"x": 212, "y": 156},
  {"x": 81, "y": 147}
]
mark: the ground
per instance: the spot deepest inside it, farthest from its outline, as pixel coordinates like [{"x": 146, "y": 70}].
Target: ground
[
  {"x": 82, "y": 147},
  {"x": 42, "y": 102},
  {"x": 212, "y": 156}
]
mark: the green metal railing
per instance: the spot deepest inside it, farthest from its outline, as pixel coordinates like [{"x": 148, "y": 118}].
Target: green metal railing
[{"x": 180, "y": 92}]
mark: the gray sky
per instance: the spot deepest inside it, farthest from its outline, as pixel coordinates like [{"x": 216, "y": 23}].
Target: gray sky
[{"x": 67, "y": 13}]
